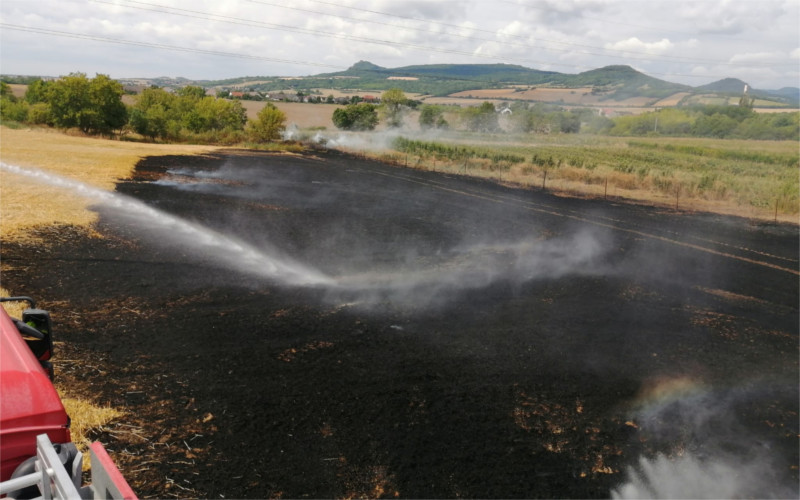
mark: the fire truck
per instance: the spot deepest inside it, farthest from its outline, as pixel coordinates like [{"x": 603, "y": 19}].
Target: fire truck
[{"x": 37, "y": 457}]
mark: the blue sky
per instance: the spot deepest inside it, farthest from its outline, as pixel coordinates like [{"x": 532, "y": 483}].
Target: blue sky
[{"x": 692, "y": 42}]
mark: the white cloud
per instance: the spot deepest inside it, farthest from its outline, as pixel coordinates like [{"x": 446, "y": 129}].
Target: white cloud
[
  {"x": 661, "y": 37},
  {"x": 634, "y": 45}
]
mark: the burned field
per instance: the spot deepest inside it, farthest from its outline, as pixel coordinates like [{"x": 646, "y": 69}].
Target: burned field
[{"x": 326, "y": 326}]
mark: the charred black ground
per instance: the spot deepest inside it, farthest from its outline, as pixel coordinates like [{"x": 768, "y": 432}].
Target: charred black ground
[{"x": 678, "y": 333}]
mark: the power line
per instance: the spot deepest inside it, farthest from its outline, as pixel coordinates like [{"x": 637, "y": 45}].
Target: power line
[
  {"x": 569, "y": 45},
  {"x": 239, "y": 21},
  {"x": 84, "y": 36},
  {"x": 341, "y": 36},
  {"x": 272, "y": 26}
]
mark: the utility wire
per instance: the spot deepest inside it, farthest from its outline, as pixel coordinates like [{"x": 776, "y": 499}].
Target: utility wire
[
  {"x": 84, "y": 36},
  {"x": 234, "y": 20},
  {"x": 569, "y": 45},
  {"x": 341, "y": 36},
  {"x": 240, "y": 21}
]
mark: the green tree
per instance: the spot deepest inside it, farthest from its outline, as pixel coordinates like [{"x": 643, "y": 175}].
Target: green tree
[
  {"x": 5, "y": 92},
  {"x": 210, "y": 113},
  {"x": 717, "y": 125},
  {"x": 482, "y": 118},
  {"x": 361, "y": 116},
  {"x": 569, "y": 122},
  {"x": 192, "y": 92},
  {"x": 151, "y": 122},
  {"x": 37, "y": 92},
  {"x": 155, "y": 114},
  {"x": 70, "y": 103},
  {"x": 13, "y": 109},
  {"x": 39, "y": 113},
  {"x": 106, "y": 98},
  {"x": 268, "y": 125},
  {"x": 393, "y": 101},
  {"x": 94, "y": 106}
]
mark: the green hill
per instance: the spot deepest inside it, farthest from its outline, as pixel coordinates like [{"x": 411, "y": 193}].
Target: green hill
[{"x": 616, "y": 82}]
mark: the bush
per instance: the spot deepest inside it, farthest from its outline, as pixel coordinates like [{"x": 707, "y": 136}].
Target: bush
[
  {"x": 13, "y": 110},
  {"x": 268, "y": 126},
  {"x": 361, "y": 116},
  {"x": 39, "y": 114}
]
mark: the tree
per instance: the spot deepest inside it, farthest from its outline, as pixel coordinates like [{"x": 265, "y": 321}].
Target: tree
[
  {"x": 268, "y": 125},
  {"x": 482, "y": 118},
  {"x": 569, "y": 122},
  {"x": 94, "y": 106},
  {"x": 362, "y": 116},
  {"x": 37, "y": 92},
  {"x": 210, "y": 113},
  {"x": 427, "y": 116},
  {"x": 432, "y": 116},
  {"x": 156, "y": 114},
  {"x": 106, "y": 97},
  {"x": 393, "y": 101},
  {"x": 151, "y": 122},
  {"x": 70, "y": 103},
  {"x": 5, "y": 92},
  {"x": 192, "y": 92},
  {"x": 13, "y": 109}
]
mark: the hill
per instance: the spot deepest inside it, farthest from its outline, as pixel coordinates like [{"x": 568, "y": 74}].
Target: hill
[
  {"x": 620, "y": 84},
  {"x": 443, "y": 79},
  {"x": 614, "y": 83},
  {"x": 735, "y": 87}
]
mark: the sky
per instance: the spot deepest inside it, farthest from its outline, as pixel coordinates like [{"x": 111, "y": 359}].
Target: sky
[{"x": 692, "y": 42}]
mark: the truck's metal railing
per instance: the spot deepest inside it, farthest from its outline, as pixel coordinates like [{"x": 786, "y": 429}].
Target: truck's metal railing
[{"x": 55, "y": 482}]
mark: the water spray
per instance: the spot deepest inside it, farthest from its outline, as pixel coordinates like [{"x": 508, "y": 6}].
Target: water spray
[
  {"x": 465, "y": 268},
  {"x": 223, "y": 248}
]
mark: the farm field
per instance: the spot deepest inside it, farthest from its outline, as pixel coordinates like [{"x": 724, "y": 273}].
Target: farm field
[
  {"x": 27, "y": 203},
  {"x": 338, "y": 327},
  {"x": 750, "y": 178},
  {"x": 567, "y": 96}
]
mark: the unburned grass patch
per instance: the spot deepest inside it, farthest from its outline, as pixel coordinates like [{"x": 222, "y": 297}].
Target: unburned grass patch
[
  {"x": 101, "y": 163},
  {"x": 86, "y": 418}
]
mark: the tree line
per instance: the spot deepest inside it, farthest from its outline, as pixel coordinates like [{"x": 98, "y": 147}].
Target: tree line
[
  {"x": 718, "y": 121},
  {"x": 94, "y": 106}
]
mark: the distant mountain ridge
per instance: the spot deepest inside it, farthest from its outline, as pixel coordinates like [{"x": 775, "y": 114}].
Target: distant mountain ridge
[
  {"x": 623, "y": 81},
  {"x": 615, "y": 83}
]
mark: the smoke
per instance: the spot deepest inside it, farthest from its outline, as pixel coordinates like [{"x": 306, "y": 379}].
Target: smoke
[
  {"x": 355, "y": 141},
  {"x": 403, "y": 275},
  {"x": 689, "y": 477},
  {"x": 476, "y": 266},
  {"x": 706, "y": 451}
]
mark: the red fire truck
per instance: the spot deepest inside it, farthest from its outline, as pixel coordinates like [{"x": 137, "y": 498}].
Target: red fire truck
[{"x": 37, "y": 457}]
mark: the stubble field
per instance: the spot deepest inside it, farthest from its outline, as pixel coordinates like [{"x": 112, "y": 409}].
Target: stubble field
[{"x": 327, "y": 326}]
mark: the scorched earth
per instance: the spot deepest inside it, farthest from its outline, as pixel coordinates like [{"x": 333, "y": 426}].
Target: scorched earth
[{"x": 327, "y": 326}]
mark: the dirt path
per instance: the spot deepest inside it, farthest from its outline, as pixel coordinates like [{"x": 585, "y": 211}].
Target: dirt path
[{"x": 454, "y": 337}]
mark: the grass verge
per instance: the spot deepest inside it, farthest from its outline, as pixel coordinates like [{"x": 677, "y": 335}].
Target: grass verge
[{"x": 757, "y": 179}]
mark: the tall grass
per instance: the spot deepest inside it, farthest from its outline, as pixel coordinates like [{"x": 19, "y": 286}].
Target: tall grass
[{"x": 735, "y": 176}]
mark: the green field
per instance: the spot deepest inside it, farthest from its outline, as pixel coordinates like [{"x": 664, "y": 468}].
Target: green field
[{"x": 746, "y": 177}]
